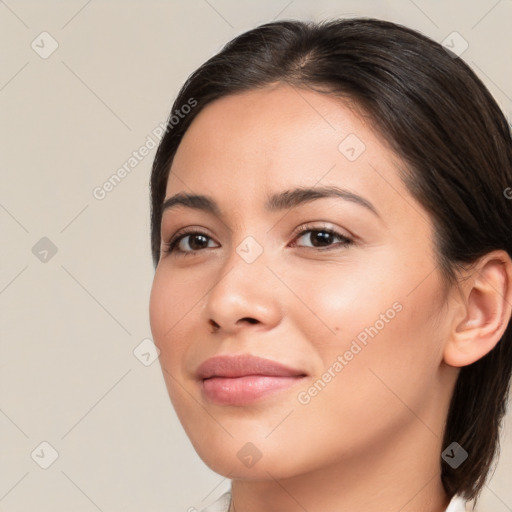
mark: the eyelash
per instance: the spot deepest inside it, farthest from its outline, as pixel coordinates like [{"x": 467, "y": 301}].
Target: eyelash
[{"x": 171, "y": 246}]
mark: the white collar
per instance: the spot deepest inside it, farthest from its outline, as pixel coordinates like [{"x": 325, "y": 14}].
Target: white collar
[{"x": 458, "y": 504}]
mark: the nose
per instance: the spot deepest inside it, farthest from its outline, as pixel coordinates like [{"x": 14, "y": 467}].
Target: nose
[{"x": 243, "y": 296}]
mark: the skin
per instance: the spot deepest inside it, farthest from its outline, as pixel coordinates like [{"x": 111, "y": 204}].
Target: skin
[{"x": 370, "y": 439}]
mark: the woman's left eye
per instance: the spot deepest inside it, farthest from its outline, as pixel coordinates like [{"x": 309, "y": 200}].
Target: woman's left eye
[{"x": 322, "y": 238}]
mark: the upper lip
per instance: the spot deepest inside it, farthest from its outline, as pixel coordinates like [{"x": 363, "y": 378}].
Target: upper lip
[{"x": 244, "y": 365}]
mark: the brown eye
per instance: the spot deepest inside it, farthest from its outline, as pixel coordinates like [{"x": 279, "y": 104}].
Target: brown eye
[
  {"x": 196, "y": 241},
  {"x": 188, "y": 243},
  {"x": 323, "y": 238}
]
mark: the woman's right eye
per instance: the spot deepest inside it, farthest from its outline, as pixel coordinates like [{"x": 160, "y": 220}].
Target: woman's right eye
[{"x": 195, "y": 240}]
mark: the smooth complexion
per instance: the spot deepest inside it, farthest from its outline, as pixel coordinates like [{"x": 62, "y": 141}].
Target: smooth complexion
[{"x": 369, "y": 440}]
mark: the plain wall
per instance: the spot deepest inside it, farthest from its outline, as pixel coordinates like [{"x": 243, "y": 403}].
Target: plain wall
[{"x": 71, "y": 321}]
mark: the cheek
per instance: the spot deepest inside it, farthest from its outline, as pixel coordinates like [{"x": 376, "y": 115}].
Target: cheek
[
  {"x": 384, "y": 319},
  {"x": 171, "y": 300},
  {"x": 346, "y": 299}
]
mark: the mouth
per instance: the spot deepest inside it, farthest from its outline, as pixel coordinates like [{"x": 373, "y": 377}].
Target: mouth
[{"x": 244, "y": 379}]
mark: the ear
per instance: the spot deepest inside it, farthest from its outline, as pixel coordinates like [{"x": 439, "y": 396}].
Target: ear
[{"x": 482, "y": 316}]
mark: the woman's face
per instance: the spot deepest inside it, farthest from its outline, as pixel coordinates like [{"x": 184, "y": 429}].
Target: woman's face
[{"x": 350, "y": 307}]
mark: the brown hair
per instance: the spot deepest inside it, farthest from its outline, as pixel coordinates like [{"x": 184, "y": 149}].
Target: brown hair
[{"x": 440, "y": 119}]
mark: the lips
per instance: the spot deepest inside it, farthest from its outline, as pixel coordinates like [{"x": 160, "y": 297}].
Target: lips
[{"x": 243, "y": 379}]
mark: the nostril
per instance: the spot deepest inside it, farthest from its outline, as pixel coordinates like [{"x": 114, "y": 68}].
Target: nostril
[
  {"x": 214, "y": 325},
  {"x": 250, "y": 320}
]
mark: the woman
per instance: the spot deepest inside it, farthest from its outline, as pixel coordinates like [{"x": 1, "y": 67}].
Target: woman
[{"x": 333, "y": 281}]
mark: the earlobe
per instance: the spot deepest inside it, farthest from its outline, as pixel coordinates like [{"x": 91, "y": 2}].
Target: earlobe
[{"x": 480, "y": 320}]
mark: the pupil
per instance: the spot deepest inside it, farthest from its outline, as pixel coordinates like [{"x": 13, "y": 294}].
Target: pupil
[
  {"x": 323, "y": 235},
  {"x": 194, "y": 238}
]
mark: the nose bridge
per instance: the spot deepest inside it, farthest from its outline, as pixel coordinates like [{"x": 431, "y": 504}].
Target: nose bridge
[{"x": 244, "y": 289}]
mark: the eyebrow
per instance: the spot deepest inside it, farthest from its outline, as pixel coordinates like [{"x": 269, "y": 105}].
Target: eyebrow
[{"x": 276, "y": 202}]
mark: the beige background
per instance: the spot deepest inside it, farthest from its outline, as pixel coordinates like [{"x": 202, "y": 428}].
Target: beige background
[{"x": 70, "y": 324}]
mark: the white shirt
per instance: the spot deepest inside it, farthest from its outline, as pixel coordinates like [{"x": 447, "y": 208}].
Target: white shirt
[{"x": 457, "y": 504}]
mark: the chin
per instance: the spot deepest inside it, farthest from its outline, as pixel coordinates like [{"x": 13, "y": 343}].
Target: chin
[
  {"x": 229, "y": 466},
  {"x": 237, "y": 458}
]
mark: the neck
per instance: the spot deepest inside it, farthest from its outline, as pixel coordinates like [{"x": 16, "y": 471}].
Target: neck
[{"x": 404, "y": 475}]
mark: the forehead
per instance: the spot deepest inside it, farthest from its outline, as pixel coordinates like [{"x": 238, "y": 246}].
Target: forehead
[{"x": 254, "y": 143}]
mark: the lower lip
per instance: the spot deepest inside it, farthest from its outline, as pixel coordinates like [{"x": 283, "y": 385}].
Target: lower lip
[{"x": 244, "y": 390}]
